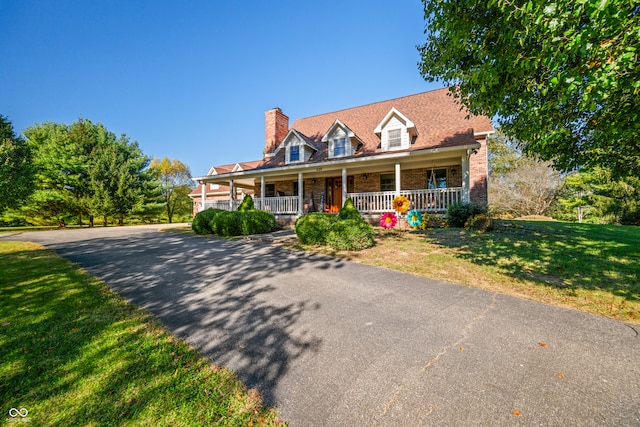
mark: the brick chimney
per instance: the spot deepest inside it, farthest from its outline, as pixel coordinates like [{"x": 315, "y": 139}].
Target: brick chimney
[{"x": 276, "y": 128}]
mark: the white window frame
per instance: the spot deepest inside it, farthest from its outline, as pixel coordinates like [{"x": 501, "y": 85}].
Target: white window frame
[
  {"x": 394, "y": 142},
  {"x": 344, "y": 146},
  {"x": 291, "y": 147}
]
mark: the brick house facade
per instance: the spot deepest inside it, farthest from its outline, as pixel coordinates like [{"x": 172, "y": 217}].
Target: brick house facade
[{"x": 423, "y": 146}]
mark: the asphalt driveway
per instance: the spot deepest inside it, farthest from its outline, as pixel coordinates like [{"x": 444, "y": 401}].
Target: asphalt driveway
[{"x": 336, "y": 343}]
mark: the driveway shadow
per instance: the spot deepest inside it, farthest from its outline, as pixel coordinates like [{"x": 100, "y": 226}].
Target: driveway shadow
[{"x": 218, "y": 295}]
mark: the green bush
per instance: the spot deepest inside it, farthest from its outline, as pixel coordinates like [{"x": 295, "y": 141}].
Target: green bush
[
  {"x": 459, "y": 213},
  {"x": 247, "y": 204},
  {"x": 257, "y": 222},
  {"x": 479, "y": 223},
  {"x": 349, "y": 211},
  {"x": 227, "y": 223},
  {"x": 201, "y": 222},
  {"x": 350, "y": 235},
  {"x": 313, "y": 227}
]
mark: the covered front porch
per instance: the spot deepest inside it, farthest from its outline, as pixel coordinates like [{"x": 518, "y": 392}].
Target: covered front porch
[
  {"x": 431, "y": 183},
  {"x": 426, "y": 200}
]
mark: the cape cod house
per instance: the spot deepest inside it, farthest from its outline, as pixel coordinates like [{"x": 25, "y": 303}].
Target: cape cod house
[{"x": 422, "y": 146}]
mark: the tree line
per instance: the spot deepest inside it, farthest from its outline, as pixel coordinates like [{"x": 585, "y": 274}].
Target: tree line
[
  {"x": 82, "y": 174},
  {"x": 522, "y": 184}
]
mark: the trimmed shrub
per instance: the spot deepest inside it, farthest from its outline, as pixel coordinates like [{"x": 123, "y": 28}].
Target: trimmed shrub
[
  {"x": 247, "y": 204},
  {"x": 227, "y": 223},
  {"x": 350, "y": 235},
  {"x": 349, "y": 211},
  {"x": 479, "y": 223},
  {"x": 459, "y": 213},
  {"x": 313, "y": 227},
  {"x": 201, "y": 222},
  {"x": 257, "y": 222}
]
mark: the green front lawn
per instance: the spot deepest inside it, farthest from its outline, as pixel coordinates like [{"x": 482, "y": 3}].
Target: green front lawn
[
  {"x": 589, "y": 267},
  {"x": 75, "y": 354}
]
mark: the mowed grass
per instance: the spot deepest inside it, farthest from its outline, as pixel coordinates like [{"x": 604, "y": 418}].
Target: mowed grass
[
  {"x": 588, "y": 267},
  {"x": 75, "y": 354}
]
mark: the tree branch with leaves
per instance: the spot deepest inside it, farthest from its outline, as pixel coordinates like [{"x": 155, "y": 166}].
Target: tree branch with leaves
[{"x": 561, "y": 77}]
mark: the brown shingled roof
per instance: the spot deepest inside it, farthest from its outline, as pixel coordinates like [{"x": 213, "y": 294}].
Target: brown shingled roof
[{"x": 439, "y": 119}]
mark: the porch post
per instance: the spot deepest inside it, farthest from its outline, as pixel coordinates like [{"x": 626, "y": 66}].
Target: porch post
[
  {"x": 203, "y": 194},
  {"x": 300, "y": 194},
  {"x": 232, "y": 194},
  {"x": 262, "y": 193},
  {"x": 465, "y": 177},
  {"x": 345, "y": 187},
  {"x": 397, "y": 179}
]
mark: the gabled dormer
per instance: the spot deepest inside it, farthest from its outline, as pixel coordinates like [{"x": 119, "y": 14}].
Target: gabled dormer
[
  {"x": 297, "y": 148},
  {"x": 396, "y": 131},
  {"x": 341, "y": 141}
]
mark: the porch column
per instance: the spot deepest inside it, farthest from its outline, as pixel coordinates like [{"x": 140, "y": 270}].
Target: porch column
[
  {"x": 397, "y": 179},
  {"x": 203, "y": 195},
  {"x": 232, "y": 195},
  {"x": 345, "y": 187},
  {"x": 300, "y": 194},
  {"x": 262, "y": 193},
  {"x": 465, "y": 177}
]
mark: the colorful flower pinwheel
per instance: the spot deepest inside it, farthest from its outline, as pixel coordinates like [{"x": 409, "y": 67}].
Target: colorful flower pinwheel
[{"x": 388, "y": 220}]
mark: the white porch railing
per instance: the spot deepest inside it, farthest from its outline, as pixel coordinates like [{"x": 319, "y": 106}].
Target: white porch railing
[
  {"x": 227, "y": 205},
  {"x": 278, "y": 205},
  {"x": 436, "y": 200}
]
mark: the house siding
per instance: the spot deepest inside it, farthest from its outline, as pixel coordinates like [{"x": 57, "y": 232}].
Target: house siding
[{"x": 392, "y": 124}]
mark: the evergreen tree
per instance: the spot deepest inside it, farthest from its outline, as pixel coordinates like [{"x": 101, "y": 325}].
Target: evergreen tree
[{"x": 16, "y": 172}]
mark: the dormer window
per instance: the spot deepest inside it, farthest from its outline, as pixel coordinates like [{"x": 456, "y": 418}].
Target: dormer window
[
  {"x": 394, "y": 138},
  {"x": 341, "y": 140},
  {"x": 294, "y": 153},
  {"x": 396, "y": 131},
  {"x": 296, "y": 146},
  {"x": 339, "y": 147}
]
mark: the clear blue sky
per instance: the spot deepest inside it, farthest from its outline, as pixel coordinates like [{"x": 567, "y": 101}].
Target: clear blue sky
[{"x": 192, "y": 80}]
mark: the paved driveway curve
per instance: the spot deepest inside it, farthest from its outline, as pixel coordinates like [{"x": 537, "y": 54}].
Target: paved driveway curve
[{"x": 336, "y": 343}]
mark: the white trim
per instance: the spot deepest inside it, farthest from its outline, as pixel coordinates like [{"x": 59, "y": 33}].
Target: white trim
[
  {"x": 345, "y": 187},
  {"x": 408, "y": 124},
  {"x": 466, "y": 178},
  {"x": 298, "y": 136},
  {"x": 300, "y": 194},
  {"x": 341, "y": 125}
]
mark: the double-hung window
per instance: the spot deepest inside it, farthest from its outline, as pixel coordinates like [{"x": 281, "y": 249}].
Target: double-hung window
[
  {"x": 339, "y": 147},
  {"x": 394, "y": 138},
  {"x": 294, "y": 153},
  {"x": 387, "y": 182}
]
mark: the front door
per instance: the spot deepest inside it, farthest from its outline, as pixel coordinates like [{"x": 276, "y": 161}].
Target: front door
[{"x": 334, "y": 195}]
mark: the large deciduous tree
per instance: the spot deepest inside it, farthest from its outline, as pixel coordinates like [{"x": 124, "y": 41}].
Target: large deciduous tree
[
  {"x": 175, "y": 183},
  {"x": 16, "y": 173},
  {"x": 561, "y": 77}
]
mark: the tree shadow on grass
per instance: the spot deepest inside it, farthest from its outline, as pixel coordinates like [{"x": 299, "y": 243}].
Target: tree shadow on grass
[
  {"x": 223, "y": 297},
  {"x": 556, "y": 254}
]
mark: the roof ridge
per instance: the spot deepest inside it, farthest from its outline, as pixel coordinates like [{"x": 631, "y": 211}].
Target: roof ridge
[{"x": 371, "y": 103}]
